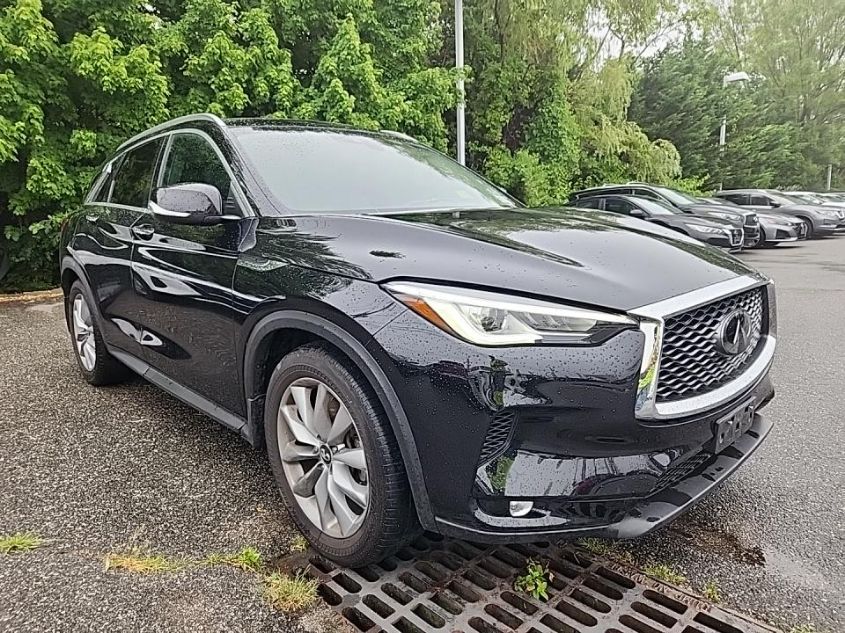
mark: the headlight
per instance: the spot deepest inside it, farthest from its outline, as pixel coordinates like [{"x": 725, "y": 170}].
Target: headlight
[
  {"x": 487, "y": 318},
  {"x": 701, "y": 228},
  {"x": 832, "y": 215}
]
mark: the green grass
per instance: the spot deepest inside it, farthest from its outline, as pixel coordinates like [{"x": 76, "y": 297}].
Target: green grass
[
  {"x": 139, "y": 563},
  {"x": 19, "y": 542},
  {"x": 290, "y": 593},
  {"x": 535, "y": 580},
  {"x": 299, "y": 543},
  {"x": 248, "y": 559},
  {"x": 711, "y": 591},
  {"x": 608, "y": 549},
  {"x": 665, "y": 573}
]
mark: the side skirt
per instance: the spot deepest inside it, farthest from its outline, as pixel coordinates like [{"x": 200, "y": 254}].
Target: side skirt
[{"x": 188, "y": 396}]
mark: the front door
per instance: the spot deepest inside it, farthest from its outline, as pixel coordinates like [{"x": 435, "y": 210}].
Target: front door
[{"x": 183, "y": 279}]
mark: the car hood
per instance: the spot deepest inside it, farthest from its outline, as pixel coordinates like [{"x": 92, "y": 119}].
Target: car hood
[
  {"x": 704, "y": 208},
  {"x": 586, "y": 257},
  {"x": 706, "y": 220},
  {"x": 777, "y": 218}
]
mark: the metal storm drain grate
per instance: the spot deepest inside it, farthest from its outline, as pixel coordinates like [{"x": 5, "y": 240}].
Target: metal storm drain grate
[{"x": 453, "y": 586}]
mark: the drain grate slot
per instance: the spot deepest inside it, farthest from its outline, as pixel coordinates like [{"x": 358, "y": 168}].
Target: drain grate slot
[{"x": 441, "y": 585}]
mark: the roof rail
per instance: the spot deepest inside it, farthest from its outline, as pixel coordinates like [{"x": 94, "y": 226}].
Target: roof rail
[
  {"x": 202, "y": 116},
  {"x": 402, "y": 135}
]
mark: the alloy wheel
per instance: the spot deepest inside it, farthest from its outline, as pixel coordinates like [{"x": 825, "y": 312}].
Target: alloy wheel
[
  {"x": 83, "y": 333},
  {"x": 322, "y": 457}
]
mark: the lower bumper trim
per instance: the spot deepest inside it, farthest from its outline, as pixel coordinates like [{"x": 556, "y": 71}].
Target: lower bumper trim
[{"x": 642, "y": 517}]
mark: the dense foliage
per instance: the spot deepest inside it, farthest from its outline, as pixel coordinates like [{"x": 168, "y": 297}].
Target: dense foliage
[{"x": 560, "y": 94}]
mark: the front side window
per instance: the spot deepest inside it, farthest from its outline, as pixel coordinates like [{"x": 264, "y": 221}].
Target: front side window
[
  {"x": 333, "y": 171},
  {"x": 134, "y": 176},
  {"x": 761, "y": 201},
  {"x": 618, "y": 205},
  {"x": 737, "y": 198},
  {"x": 192, "y": 159}
]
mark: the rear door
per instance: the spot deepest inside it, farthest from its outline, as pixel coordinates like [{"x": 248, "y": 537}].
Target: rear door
[
  {"x": 183, "y": 278},
  {"x": 103, "y": 240}
]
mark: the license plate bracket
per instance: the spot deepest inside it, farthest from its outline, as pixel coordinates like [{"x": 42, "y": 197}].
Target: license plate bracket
[{"x": 728, "y": 428}]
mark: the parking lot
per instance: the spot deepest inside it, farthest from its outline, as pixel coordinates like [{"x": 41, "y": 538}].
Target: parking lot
[{"x": 99, "y": 471}]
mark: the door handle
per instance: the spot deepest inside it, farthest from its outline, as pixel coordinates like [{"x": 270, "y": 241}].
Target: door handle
[{"x": 143, "y": 231}]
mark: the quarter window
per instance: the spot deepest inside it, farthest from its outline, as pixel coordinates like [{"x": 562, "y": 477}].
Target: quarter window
[{"x": 134, "y": 177}]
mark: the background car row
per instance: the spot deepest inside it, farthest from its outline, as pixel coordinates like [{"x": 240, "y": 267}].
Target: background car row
[{"x": 732, "y": 219}]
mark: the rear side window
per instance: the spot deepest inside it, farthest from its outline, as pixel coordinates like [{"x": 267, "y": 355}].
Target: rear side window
[
  {"x": 645, "y": 193},
  {"x": 134, "y": 176}
]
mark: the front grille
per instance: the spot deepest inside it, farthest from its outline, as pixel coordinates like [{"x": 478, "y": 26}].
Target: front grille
[
  {"x": 690, "y": 362},
  {"x": 498, "y": 435},
  {"x": 751, "y": 220}
]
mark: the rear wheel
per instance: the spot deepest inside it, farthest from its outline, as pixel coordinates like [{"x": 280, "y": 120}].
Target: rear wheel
[
  {"x": 97, "y": 365},
  {"x": 336, "y": 460}
]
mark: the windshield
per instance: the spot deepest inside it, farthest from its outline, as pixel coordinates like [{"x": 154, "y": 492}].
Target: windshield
[
  {"x": 782, "y": 198},
  {"x": 676, "y": 197},
  {"x": 333, "y": 171},
  {"x": 653, "y": 207}
]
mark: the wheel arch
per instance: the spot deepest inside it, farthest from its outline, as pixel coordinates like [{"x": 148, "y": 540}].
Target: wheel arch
[{"x": 308, "y": 327}]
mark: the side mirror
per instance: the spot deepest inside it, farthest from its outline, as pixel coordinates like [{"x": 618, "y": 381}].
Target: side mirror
[
  {"x": 774, "y": 205},
  {"x": 188, "y": 203},
  {"x": 637, "y": 213}
]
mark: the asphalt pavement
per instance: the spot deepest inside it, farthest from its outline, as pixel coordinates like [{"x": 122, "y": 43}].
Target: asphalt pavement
[{"x": 99, "y": 471}]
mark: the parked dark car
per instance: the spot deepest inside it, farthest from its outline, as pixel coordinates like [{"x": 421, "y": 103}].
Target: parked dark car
[
  {"x": 412, "y": 347},
  {"x": 818, "y": 220},
  {"x": 742, "y": 218},
  {"x": 713, "y": 231}
]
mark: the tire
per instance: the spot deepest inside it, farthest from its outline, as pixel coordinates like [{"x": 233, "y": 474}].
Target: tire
[
  {"x": 806, "y": 222},
  {"x": 98, "y": 367},
  {"x": 388, "y": 521}
]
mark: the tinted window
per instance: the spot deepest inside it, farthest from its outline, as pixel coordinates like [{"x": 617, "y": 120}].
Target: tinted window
[
  {"x": 618, "y": 205},
  {"x": 326, "y": 171},
  {"x": 103, "y": 184},
  {"x": 737, "y": 198},
  {"x": 760, "y": 201},
  {"x": 645, "y": 193},
  {"x": 135, "y": 174},
  {"x": 192, "y": 159},
  {"x": 589, "y": 203}
]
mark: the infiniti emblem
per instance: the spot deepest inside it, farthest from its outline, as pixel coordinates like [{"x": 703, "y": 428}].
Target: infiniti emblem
[{"x": 734, "y": 335}]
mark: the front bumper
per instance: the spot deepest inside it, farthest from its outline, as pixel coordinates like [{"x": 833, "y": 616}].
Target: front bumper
[
  {"x": 551, "y": 425},
  {"x": 780, "y": 233}
]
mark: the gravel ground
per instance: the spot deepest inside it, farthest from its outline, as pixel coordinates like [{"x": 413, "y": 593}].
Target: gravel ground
[{"x": 98, "y": 471}]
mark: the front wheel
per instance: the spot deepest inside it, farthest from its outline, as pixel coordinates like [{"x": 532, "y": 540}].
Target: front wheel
[
  {"x": 808, "y": 227},
  {"x": 336, "y": 460}
]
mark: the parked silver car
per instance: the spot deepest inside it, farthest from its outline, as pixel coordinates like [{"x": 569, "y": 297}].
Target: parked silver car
[{"x": 817, "y": 219}]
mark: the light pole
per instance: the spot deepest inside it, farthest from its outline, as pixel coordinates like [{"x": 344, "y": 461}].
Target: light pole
[
  {"x": 459, "y": 65},
  {"x": 729, "y": 79}
]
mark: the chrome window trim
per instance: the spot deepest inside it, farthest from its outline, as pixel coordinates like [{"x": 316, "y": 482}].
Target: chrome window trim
[{"x": 652, "y": 321}]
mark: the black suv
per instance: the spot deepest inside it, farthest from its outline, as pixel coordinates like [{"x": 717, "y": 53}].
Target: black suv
[
  {"x": 412, "y": 347},
  {"x": 741, "y": 218}
]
